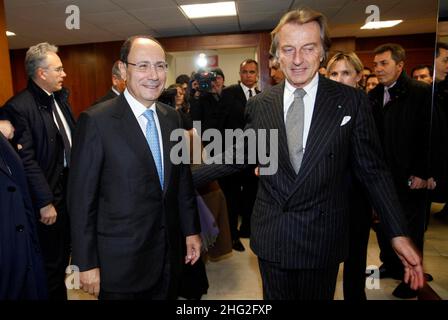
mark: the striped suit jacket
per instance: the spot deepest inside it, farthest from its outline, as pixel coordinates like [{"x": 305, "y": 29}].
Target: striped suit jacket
[{"x": 301, "y": 221}]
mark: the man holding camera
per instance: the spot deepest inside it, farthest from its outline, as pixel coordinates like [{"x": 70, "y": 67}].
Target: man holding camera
[{"x": 205, "y": 105}]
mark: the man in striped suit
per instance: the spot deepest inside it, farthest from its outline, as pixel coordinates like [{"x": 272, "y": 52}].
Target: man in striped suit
[{"x": 325, "y": 130}]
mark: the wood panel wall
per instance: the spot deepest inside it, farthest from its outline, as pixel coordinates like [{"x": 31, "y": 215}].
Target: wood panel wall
[
  {"x": 88, "y": 66},
  {"x": 6, "y": 87}
]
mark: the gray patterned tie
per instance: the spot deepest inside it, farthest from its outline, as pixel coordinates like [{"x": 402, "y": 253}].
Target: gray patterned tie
[{"x": 294, "y": 129}]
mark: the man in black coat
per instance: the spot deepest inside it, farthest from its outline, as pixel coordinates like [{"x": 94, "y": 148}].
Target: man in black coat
[
  {"x": 300, "y": 218},
  {"x": 401, "y": 108},
  {"x": 22, "y": 274},
  {"x": 240, "y": 188},
  {"x": 43, "y": 121}
]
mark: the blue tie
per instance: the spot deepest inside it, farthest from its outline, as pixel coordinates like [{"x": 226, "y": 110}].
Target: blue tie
[{"x": 152, "y": 137}]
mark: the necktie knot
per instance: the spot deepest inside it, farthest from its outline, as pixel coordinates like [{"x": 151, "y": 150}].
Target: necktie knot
[
  {"x": 250, "y": 93},
  {"x": 149, "y": 115},
  {"x": 299, "y": 93}
]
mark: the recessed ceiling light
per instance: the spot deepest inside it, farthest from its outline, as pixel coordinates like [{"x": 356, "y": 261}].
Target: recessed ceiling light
[
  {"x": 381, "y": 24},
  {"x": 206, "y": 10},
  {"x": 10, "y": 34}
]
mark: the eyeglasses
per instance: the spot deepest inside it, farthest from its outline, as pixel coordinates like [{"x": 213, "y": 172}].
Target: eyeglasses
[
  {"x": 145, "y": 66},
  {"x": 58, "y": 69}
]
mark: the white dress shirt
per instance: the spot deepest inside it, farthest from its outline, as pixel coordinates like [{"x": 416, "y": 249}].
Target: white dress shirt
[
  {"x": 138, "y": 110},
  {"x": 246, "y": 91},
  {"x": 308, "y": 100}
]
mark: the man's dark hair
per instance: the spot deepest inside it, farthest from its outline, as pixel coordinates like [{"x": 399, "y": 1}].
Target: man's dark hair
[
  {"x": 422, "y": 66},
  {"x": 126, "y": 47},
  {"x": 440, "y": 45},
  {"x": 183, "y": 78},
  {"x": 247, "y": 61},
  {"x": 397, "y": 51},
  {"x": 367, "y": 68}
]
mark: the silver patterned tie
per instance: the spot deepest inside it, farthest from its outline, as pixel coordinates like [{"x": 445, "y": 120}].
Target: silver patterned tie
[{"x": 294, "y": 129}]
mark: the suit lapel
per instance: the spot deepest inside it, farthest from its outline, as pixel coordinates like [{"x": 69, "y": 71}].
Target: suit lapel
[
  {"x": 242, "y": 95},
  {"x": 165, "y": 129},
  {"x": 326, "y": 119}
]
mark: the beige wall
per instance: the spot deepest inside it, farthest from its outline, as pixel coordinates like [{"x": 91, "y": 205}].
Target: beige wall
[{"x": 228, "y": 60}]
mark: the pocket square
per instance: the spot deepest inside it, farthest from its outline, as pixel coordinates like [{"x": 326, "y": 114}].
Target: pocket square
[{"x": 345, "y": 120}]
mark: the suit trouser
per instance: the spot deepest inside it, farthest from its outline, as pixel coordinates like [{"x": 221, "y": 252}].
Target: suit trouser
[
  {"x": 414, "y": 207},
  {"x": 297, "y": 284},
  {"x": 165, "y": 288},
  {"x": 249, "y": 193},
  {"x": 231, "y": 186},
  {"x": 360, "y": 219},
  {"x": 55, "y": 243}
]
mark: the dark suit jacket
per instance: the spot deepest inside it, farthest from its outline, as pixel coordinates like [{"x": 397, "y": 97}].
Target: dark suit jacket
[
  {"x": 233, "y": 102},
  {"x": 301, "y": 221},
  {"x": 121, "y": 220},
  {"x": 42, "y": 150},
  {"x": 403, "y": 127},
  {"x": 109, "y": 95},
  {"x": 22, "y": 274}
]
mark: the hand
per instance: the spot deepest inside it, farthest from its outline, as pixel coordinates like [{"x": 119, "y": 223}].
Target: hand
[
  {"x": 7, "y": 129},
  {"x": 48, "y": 214},
  {"x": 257, "y": 171},
  {"x": 417, "y": 183},
  {"x": 412, "y": 262},
  {"x": 90, "y": 281},
  {"x": 431, "y": 184},
  {"x": 194, "y": 245}
]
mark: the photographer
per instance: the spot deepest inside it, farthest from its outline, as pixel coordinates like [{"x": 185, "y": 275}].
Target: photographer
[{"x": 205, "y": 93}]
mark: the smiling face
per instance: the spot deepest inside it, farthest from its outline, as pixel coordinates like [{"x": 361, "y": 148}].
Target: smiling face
[
  {"x": 342, "y": 71},
  {"x": 146, "y": 86},
  {"x": 300, "y": 52}
]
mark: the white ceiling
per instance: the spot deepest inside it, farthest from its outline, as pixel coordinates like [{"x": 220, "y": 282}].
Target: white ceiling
[{"x": 109, "y": 20}]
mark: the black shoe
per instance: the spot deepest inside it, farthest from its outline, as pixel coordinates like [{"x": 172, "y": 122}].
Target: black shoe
[
  {"x": 403, "y": 291},
  {"x": 237, "y": 245},
  {"x": 442, "y": 214},
  {"x": 244, "y": 233},
  {"x": 386, "y": 273},
  {"x": 428, "y": 277}
]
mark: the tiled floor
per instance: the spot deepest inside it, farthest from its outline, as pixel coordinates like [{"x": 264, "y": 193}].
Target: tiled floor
[{"x": 228, "y": 284}]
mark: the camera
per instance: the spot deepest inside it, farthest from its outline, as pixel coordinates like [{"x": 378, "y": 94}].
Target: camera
[{"x": 204, "y": 79}]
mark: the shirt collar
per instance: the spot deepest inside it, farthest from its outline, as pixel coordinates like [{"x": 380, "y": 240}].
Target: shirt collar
[
  {"x": 246, "y": 88},
  {"x": 308, "y": 88},
  {"x": 116, "y": 91},
  {"x": 137, "y": 108}
]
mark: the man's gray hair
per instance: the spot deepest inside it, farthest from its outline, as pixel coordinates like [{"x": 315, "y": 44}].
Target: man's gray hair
[
  {"x": 35, "y": 57},
  {"x": 116, "y": 69}
]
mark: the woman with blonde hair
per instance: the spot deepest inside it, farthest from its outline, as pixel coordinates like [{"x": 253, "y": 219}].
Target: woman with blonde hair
[{"x": 346, "y": 68}]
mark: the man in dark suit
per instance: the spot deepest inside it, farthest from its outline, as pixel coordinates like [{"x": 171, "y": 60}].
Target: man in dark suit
[
  {"x": 132, "y": 210},
  {"x": 22, "y": 274},
  {"x": 43, "y": 121},
  {"x": 401, "y": 108},
  {"x": 325, "y": 130},
  {"x": 240, "y": 188},
  {"x": 118, "y": 84}
]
